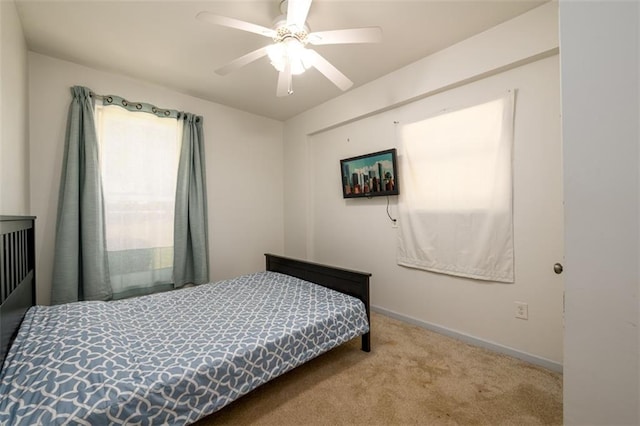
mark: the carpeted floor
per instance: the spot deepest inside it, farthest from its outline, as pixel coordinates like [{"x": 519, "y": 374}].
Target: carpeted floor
[{"x": 411, "y": 376}]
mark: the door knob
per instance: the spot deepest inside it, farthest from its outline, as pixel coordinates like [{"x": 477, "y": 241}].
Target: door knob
[{"x": 557, "y": 268}]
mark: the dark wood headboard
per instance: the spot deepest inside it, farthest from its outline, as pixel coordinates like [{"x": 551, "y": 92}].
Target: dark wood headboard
[
  {"x": 353, "y": 283},
  {"x": 17, "y": 275}
]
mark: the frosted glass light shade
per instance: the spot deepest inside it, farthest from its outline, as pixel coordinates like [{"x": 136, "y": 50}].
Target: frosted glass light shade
[{"x": 290, "y": 50}]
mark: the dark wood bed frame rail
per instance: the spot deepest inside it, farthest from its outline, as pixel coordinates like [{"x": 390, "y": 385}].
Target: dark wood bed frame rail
[{"x": 353, "y": 283}]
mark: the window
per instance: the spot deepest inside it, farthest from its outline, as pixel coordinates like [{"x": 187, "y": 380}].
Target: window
[
  {"x": 139, "y": 155},
  {"x": 456, "y": 205}
]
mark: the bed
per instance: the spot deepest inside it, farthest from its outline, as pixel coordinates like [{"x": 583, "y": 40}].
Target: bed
[{"x": 167, "y": 358}]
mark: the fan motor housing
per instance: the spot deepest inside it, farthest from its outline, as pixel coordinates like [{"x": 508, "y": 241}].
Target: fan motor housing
[{"x": 283, "y": 31}]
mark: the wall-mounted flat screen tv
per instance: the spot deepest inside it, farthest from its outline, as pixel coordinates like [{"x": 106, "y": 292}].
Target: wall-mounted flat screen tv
[{"x": 370, "y": 175}]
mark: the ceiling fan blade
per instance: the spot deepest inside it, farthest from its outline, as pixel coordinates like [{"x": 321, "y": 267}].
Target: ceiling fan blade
[
  {"x": 285, "y": 82},
  {"x": 235, "y": 23},
  {"x": 242, "y": 61},
  {"x": 329, "y": 71},
  {"x": 352, "y": 35},
  {"x": 297, "y": 11}
]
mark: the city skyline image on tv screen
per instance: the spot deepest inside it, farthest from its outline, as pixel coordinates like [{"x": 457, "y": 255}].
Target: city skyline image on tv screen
[{"x": 370, "y": 175}]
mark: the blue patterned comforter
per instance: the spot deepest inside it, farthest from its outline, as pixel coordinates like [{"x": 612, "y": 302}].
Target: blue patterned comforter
[{"x": 169, "y": 358}]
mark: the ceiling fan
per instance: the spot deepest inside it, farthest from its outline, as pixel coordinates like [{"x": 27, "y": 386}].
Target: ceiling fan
[{"x": 288, "y": 53}]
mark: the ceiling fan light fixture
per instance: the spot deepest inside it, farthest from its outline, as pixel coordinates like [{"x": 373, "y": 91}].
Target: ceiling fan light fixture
[
  {"x": 290, "y": 51},
  {"x": 291, "y": 34}
]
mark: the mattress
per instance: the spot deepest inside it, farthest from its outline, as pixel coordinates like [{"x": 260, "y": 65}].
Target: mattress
[{"x": 169, "y": 358}]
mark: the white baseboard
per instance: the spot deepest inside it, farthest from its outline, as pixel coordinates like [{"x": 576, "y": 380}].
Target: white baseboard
[{"x": 533, "y": 359}]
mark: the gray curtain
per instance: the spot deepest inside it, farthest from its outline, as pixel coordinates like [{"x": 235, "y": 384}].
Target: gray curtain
[
  {"x": 80, "y": 269},
  {"x": 191, "y": 247}
]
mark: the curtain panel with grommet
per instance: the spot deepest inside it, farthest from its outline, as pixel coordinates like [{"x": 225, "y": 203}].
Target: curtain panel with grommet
[
  {"x": 191, "y": 236},
  {"x": 80, "y": 269}
]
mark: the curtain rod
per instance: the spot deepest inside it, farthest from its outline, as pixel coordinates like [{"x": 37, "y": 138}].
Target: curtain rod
[{"x": 140, "y": 106}]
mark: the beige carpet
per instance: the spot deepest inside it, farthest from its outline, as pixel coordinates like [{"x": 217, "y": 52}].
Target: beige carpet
[{"x": 411, "y": 376}]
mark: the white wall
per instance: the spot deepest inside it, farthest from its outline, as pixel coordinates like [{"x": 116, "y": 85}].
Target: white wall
[
  {"x": 358, "y": 233},
  {"x": 320, "y": 225},
  {"x": 600, "y": 95},
  {"x": 244, "y": 166},
  {"x": 14, "y": 139}
]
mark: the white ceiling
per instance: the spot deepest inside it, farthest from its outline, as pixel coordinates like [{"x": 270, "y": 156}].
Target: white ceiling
[{"x": 163, "y": 43}]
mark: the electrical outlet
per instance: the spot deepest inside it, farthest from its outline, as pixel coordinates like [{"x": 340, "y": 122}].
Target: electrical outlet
[
  {"x": 394, "y": 223},
  {"x": 522, "y": 310}
]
